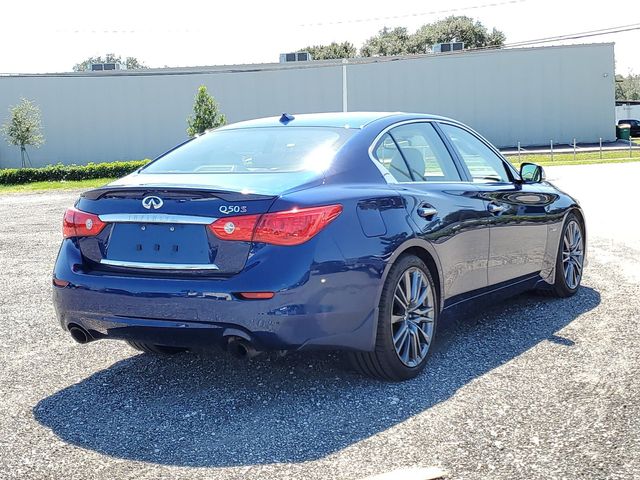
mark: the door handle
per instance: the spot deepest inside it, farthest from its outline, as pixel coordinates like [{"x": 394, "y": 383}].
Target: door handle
[
  {"x": 427, "y": 211},
  {"x": 496, "y": 208}
]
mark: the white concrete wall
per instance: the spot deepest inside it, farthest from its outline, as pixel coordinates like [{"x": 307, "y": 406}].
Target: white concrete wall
[
  {"x": 626, "y": 112},
  {"x": 530, "y": 96},
  {"x": 526, "y": 95},
  {"x": 120, "y": 117}
]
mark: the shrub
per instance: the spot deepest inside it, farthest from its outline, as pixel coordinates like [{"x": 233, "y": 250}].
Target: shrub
[
  {"x": 59, "y": 172},
  {"x": 206, "y": 114}
]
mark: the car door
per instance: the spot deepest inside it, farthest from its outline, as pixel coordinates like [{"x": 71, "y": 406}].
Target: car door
[
  {"x": 518, "y": 212},
  {"x": 444, "y": 210}
]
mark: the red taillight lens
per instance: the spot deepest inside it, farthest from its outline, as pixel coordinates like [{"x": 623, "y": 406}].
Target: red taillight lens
[
  {"x": 295, "y": 226},
  {"x": 77, "y": 223},
  {"x": 235, "y": 228},
  {"x": 291, "y": 227}
]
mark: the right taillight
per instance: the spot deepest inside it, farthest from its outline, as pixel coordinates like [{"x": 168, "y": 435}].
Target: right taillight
[
  {"x": 77, "y": 223},
  {"x": 291, "y": 227}
]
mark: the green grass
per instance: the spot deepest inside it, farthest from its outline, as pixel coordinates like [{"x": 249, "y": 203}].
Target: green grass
[
  {"x": 581, "y": 158},
  {"x": 55, "y": 185}
]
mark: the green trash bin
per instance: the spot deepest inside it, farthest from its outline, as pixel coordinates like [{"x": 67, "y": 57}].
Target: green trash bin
[{"x": 623, "y": 132}]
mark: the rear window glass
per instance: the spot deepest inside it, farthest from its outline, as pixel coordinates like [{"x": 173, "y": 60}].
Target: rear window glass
[{"x": 255, "y": 150}]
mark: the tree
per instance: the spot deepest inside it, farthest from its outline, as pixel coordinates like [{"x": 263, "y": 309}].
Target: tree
[
  {"x": 628, "y": 88},
  {"x": 23, "y": 128},
  {"x": 331, "y": 51},
  {"x": 131, "y": 63},
  {"x": 387, "y": 42},
  {"x": 206, "y": 113},
  {"x": 459, "y": 28}
]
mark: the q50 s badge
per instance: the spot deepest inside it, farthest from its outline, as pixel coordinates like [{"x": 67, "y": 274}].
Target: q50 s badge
[{"x": 227, "y": 209}]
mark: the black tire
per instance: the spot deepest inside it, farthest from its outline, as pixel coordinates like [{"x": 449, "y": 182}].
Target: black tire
[
  {"x": 560, "y": 287},
  {"x": 155, "y": 349},
  {"x": 384, "y": 362}
]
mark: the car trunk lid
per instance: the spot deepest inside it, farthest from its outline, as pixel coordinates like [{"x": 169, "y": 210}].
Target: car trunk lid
[{"x": 166, "y": 228}]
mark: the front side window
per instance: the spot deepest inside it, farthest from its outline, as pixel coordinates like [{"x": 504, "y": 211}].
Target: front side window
[
  {"x": 482, "y": 162},
  {"x": 255, "y": 150}
]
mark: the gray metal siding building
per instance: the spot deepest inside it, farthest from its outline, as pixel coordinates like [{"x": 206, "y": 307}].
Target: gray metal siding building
[{"x": 527, "y": 95}]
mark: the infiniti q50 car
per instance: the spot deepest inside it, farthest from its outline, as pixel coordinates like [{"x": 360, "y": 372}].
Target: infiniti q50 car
[{"x": 346, "y": 231}]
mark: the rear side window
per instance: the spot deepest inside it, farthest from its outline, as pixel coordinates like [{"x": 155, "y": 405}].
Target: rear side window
[
  {"x": 255, "y": 150},
  {"x": 482, "y": 162},
  {"x": 426, "y": 155},
  {"x": 391, "y": 159}
]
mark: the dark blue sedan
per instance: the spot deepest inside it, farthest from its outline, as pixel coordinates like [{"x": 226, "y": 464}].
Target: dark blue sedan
[{"x": 349, "y": 231}]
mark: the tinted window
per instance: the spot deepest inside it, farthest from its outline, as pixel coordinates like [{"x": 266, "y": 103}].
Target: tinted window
[
  {"x": 483, "y": 164},
  {"x": 390, "y": 158},
  {"x": 255, "y": 150},
  {"x": 427, "y": 157}
]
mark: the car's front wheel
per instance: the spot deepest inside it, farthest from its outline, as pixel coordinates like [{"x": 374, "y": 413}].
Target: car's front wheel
[
  {"x": 570, "y": 259},
  {"x": 157, "y": 349},
  {"x": 407, "y": 320}
]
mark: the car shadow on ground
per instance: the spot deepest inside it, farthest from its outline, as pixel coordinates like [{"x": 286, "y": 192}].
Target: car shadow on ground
[{"x": 212, "y": 410}]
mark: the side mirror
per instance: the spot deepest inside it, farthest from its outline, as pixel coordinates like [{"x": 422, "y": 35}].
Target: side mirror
[{"x": 531, "y": 173}]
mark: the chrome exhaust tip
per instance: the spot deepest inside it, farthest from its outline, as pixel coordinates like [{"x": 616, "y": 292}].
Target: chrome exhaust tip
[{"x": 80, "y": 335}]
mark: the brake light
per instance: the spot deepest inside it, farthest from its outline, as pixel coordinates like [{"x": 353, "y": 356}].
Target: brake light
[
  {"x": 291, "y": 227},
  {"x": 235, "y": 228},
  {"x": 77, "y": 223}
]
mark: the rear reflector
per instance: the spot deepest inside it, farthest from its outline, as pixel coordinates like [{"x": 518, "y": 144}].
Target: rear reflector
[
  {"x": 77, "y": 223},
  {"x": 256, "y": 295},
  {"x": 60, "y": 283},
  {"x": 291, "y": 227}
]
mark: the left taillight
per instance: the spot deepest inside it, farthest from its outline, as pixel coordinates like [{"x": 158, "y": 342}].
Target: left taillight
[{"x": 77, "y": 223}]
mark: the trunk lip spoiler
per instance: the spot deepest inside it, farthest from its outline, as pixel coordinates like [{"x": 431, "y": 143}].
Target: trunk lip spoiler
[
  {"x": 156, "y": 218},
  {"x": 221, "y": 193}
]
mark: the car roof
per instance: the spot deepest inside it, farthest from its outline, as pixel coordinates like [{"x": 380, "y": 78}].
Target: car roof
[{"x": 330, "y": 119}]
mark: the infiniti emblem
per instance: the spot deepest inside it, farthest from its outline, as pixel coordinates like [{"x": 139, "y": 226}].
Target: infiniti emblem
[{"x": 152, "y": 202}]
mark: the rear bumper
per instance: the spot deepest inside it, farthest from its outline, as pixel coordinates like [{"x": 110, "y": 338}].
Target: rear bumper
[{"x": 318, "y": 305}]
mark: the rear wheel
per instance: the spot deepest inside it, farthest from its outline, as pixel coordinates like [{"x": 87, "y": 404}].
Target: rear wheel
[
  {"x": 157, "y": 349},
  {"x": 570, "y": 259},
  {"x": 407, "y": 323}
]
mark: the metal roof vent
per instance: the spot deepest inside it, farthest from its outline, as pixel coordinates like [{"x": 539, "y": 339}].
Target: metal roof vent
[
  {"x": 295, "y": 57},
  {"x": 101, "y": 67}
]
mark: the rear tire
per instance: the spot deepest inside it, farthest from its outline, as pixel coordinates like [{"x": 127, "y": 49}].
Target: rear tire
[
  {"x": 407, "y": 321},
  {"x": 155, "y": 349},
  {"x": 570, "y": 258}
]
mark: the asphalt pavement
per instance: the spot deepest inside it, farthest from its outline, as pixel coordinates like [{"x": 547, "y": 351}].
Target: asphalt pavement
[{"x": 534, "y": 388}]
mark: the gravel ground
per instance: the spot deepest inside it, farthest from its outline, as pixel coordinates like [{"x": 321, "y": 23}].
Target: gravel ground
[{"x": 535, "y": 388}]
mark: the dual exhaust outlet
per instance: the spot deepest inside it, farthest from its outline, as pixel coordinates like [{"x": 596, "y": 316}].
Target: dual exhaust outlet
[{"x": 238, "y": 347}]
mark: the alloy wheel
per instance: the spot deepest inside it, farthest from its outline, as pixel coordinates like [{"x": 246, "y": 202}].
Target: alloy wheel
[
  {"x": 572, "y": 254},
  {"x": 412, "y": 317}
]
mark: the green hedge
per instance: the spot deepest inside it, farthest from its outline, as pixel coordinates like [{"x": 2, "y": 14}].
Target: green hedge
[{"x": 16, "y": 176}]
